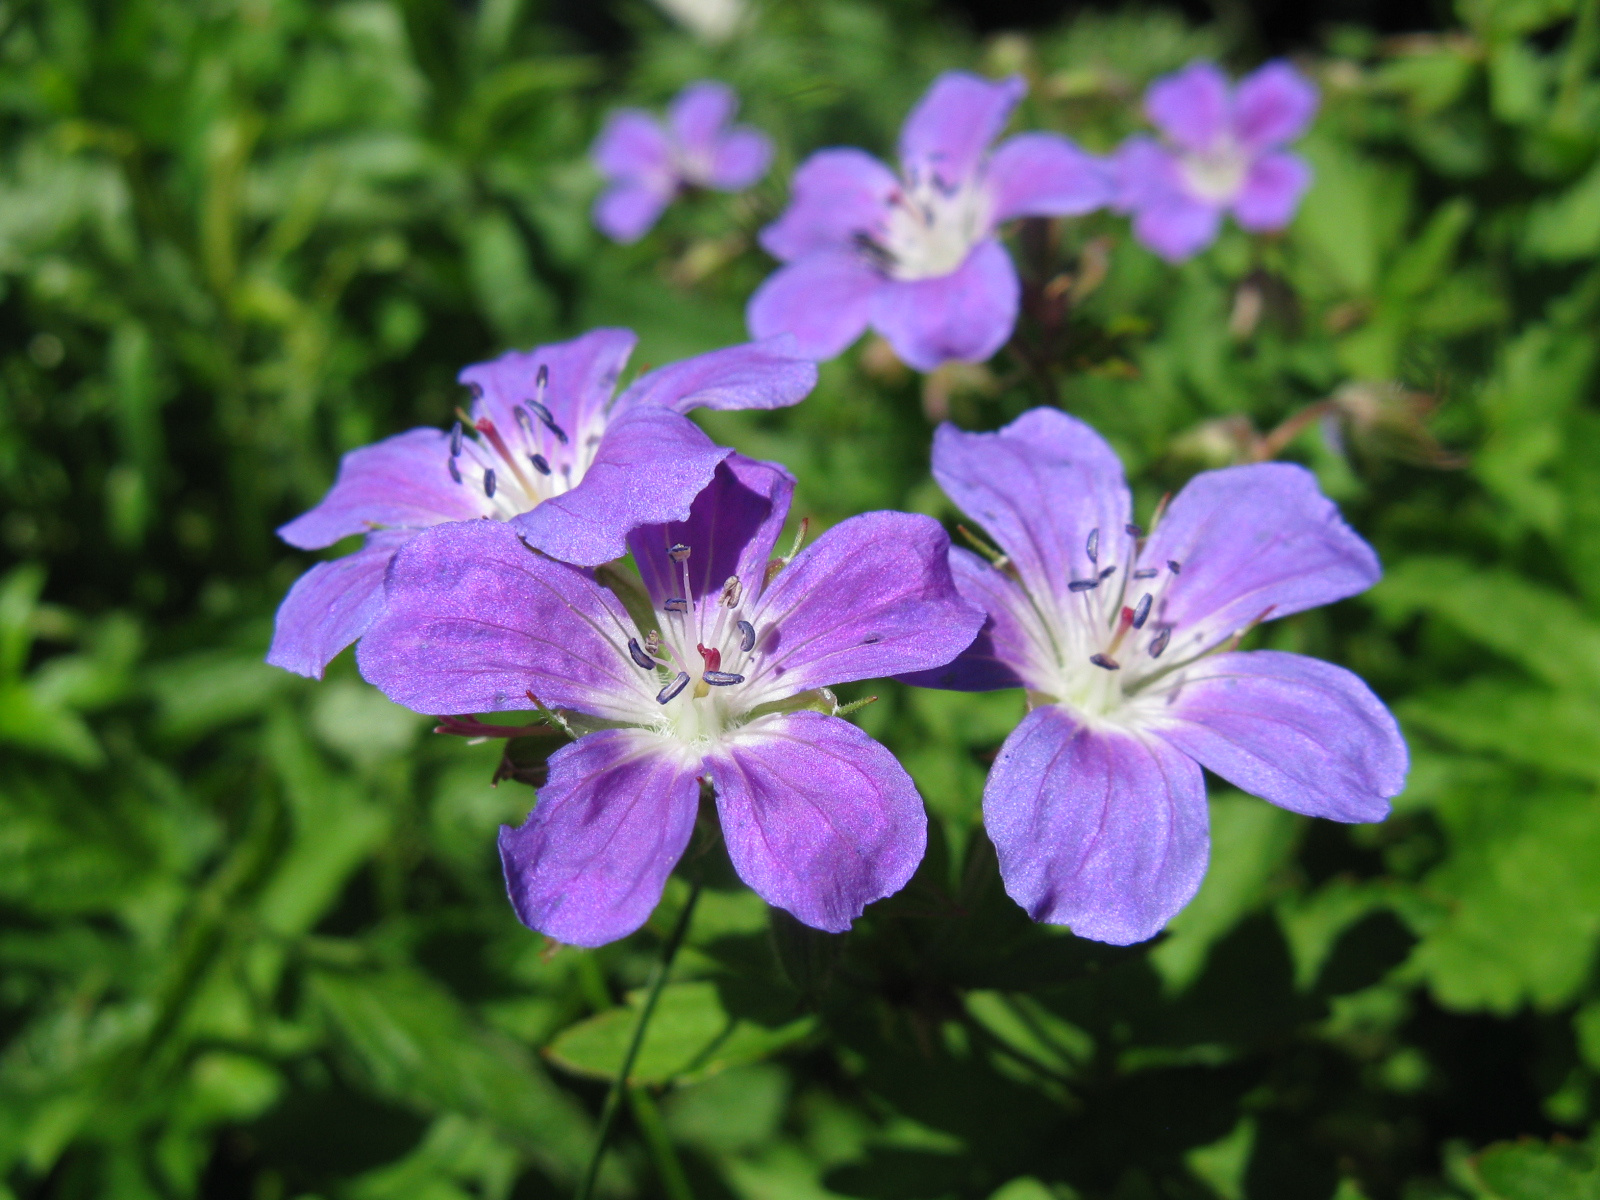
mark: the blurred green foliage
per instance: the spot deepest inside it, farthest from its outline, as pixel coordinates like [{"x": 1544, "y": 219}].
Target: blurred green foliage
[{"x": 253, "y": 942}]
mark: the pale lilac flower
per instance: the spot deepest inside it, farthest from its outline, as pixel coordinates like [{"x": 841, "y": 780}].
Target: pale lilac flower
[
  {"x": 1124, "y": 643},
  {"x": 916, "y": 256},
  {"x": 1223, "y": 152},
  {"x": 717, "y": 672},
  {"x": 547, "y": 447},
  {"x": 646, "y": 164}
]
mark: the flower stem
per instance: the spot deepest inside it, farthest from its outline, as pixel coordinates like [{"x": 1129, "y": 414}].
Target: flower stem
[
  {"x": 619, "y": 1085},
  {"x": 648, "y": 1117}
]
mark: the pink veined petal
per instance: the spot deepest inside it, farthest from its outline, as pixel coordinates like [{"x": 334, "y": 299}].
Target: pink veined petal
[
  {"x": 332, "y": 605},
  {"x": 1100, "y": 829},
  {"x": 1039, "y": 486},
  {"x": 822, "y": 300},
  {"x": 1003, "y": 653},
  {"x": 835, "y": 195},
  {"x": 954, "y": 123},
  {"x": 1252, "y": 542},
  {"x": 731, "y": 529},
  {"x": 1045, "y": 175},
  {"x": 1177, "y": 227},
  {"x": 1273, "y": 105},
  {"x": 589, "y": 864},
  {"x": 765, "y": 374},
  {"x": 581, "y": 375},
  {"x": 699, "y": 113},
  {"x": 474, "y": 620},
  {"x": 1271, "y": 192},
  {"x": 819, "y": 819},
  {"x": 632, "y": 145},
  {"x": 741, "y": 157},
  {"x": 402, "y": 481},
  {"x": 628, "y": 210},
  {"x": 649, "y": 466},
  {"x": 871, "y": 597},
  {"x": 1304, "y": 734},
  {"x": 1192, "y": 106},
  {"x": 965, "y": 316}
]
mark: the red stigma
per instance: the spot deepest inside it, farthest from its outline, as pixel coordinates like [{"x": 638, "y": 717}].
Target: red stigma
[{"x": 713, "y": 657}]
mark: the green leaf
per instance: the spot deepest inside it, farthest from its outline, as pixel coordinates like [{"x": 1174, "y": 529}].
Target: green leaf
[
  {"x": 1537, "y": 1171},
  {"x": 690, "y": 1037}
]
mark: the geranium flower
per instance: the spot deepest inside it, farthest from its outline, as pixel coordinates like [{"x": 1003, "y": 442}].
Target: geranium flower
[
  {"x": 1223, "y": 153},
  {"x": 647, "y": 164},
  {"x": 718, "y": 675},
  {"x": 915, "y": 256},
  {"x": 1124, "y": 642},
  {"x": 545, "y": 446}
]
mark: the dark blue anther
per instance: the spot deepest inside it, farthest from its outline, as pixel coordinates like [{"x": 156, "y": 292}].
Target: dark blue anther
[
  {"x": 747, "y": 636},
  {"x": 1133, "y": 531},
  {"x": 672, "y": 689},
  {"x": 542, "y": 379},
  {"x": 539, "y": 463},
  {"x": 1105, "y": 661},
  {"x": 1147, "y": 573},
  {"x": 488, "y": 483},
  {"x": 540, "y": 411},
  {"x": 455, "y": 471},
  {"x": 722, "y": 678},
  {"x": 523, "y": 419},
  {"x": 1142, "y": 613},
  {"x": 475, "y": 390},
  {"x": 678, "y": 552},
  {"x": 677, "y": 605},
  {"x": 455, "y": 440},
  {"x": 1108, "y": 572},
  {"x": 1092, "y": 546},
  {"x": 1174, "y": 566},
  {"x": 639, "y": 656},
  {"x": 1083, "y": 585},
  {"x": 1160, "y": 643}
]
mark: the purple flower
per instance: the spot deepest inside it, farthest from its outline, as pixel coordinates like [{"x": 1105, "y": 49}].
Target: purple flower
[
  {"x": 916, "y": 256},
  {"x": 1223, "y": 153},
  {"x": 646, "y": 164},
  {"x": 547, "y": 448},
  {"x": 1124, "y": 643},
  {"x": 717, "y": 671}
]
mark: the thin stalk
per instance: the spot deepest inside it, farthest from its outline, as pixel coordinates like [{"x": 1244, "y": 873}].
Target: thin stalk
[
  {"x": 658, "y": 978},
  {"x": 648, "y": 1117}
]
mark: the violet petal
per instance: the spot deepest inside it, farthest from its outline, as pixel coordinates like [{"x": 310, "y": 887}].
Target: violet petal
[
  {"x": 629, "y": 209},
  {"x": 331, "y": 605},
  {"x": 964, "y": 316},
  {"x": 1302, "y": 733},
  {"x": 741, "y": 158},
  {"x": 835, "y": 195},
  {"x": 954, "y": 123},
  {"x": 1097, "y": 828},
  {"x": 1038, "y": 486},
  {"x": 649, "y": 466},
  {"x": 1273, "y": 105},
  {"x": 632, "y": 145},
  {"x": 1192, "y": 106},
  {"x": 819, "y": 819},
  {"x": 765, "y": 374},
  {"x": 581, "y": 376},
  {"x": 1271, "y": 192},
  {"x": 822, "y": 299},
  {"x": 698, "y": 114},
  {"x": 871, "y": 597},
  {"x": 589, "y": 864},
  {"x": 1254, "y": 541},
  {"x": 473, "y": 620},
  {"x": 1045, "y": 175},
  {"x": 1002, "y": 653},
  {"x": 401, "y": 481},
  {"x": 1176, "y": 226}
]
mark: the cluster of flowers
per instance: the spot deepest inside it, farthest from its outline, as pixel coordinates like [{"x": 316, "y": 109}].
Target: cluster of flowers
[{"x": 494, "y": 571}]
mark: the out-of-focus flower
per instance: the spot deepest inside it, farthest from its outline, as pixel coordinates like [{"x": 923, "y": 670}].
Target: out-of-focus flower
[
  {"x": 717, "y": 671},
  {"x": 1223, "y": 152},
  {"x": 647, "y": 163},
  {"x": 1125, "y": 644},
  {"x": 915, "y": 256},
  {"x": 548, "y": 447}
]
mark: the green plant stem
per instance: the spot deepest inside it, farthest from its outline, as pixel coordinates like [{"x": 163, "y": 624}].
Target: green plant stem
[
  {"x": 648, "y": 1117},
  {"x": 658, "y": 978}
]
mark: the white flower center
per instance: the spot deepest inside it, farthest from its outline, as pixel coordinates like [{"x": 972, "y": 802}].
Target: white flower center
[
  {"x": 930, "y": 229},
  {"x": 511, "y": 471},
  {"x": 1217, "y": 173}
]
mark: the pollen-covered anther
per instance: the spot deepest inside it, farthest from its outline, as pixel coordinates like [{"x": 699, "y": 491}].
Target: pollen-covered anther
[
  {"x": 670, "y": 692},
  {"x": 1142, "y": 613},
  {"x": 722, "y": 678},
  {"x": 1160, "y": 642},
  {"x": 678, "y": 553},
  {"x": 1092, "y": 546},
  {"x": 1083, "y": 585},
  {"x": 1147, "y": 572},
  {"x": 639, "y": 656},
  {"x": 677, "y": 605},
  {"x": 732, "y": 592},
  {"x": 747, "y": 636},
  {"x": 1105, "y": 661}
]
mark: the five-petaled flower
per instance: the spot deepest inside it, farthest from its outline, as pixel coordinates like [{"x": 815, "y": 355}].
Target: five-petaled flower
[
  {"x": 1125, "y": 644},
  {"x": 718, "y": 675},
  {"x": 647, "y": 164},
  {"x": 916, "y": 256},
  {"x": 1224, "y": 152},
  {"x": 546, "y": 446}
]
